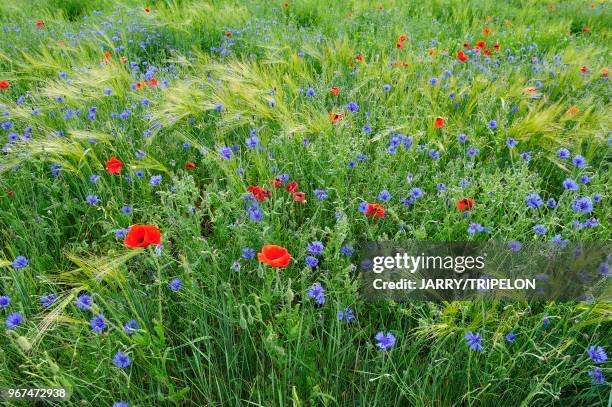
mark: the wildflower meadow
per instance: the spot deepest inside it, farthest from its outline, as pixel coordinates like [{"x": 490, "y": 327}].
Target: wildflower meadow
[{"x": 186, "y": 188}]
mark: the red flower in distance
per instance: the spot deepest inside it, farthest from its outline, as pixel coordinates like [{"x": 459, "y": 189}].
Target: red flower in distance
[
  {"x": 40, "y": 24},
  {"x": 299, "y": 197},
  {"x": 375, "y": 210},
  {"x": 113, "y": 166},
  {"x": 334, "y": 91},
  {"x": 462, "y": 57},
  {"x": 277, "y": 183},
  {"x": 259, "y": 193},
  {"x": 465, "y": 204},
  {"x": 274, "y": 256},
  {"x": 4, "y": 84},
  {"x": 142, "y": 236},
  {"x": 291, "y": 187},
  {"x": 439, "y": 122},
  {"x": 190, "y": 166},
  {"x": 336, "y": 117}
]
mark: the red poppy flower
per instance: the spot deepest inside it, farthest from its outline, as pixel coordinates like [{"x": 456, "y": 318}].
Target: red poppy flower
[
  {"x": 276, "y": 182},
  {"x": 439, "y": 122},
  {"x": 585, "y": 30},
  {"x": 335, "y": 117},
  {"x": 496, "y": 46},
  {"x": 399, "y": 45},
  {"x": 486, "y": 31},
  {"x": 10, "y": 194},
  {"x": 334, "y": 91},
  {"x": 142, "y": 236},
  {"x": 259, "y": 193},
  {"x": 147, "y": 9},
  {"x": 151, "y": 83},
  {"x": 375, "y": 210},
  {"x": 462, "y": 57},
  {"x": 291, "y": 187},
  {"x": 584, "y": 69},
  {"x": 274, "y": 256},
  {"x": 299, "y": 197},
  {"x": 488, "y": 52},
  {"x": 481, "y": 44},
  {"x": 402, "y": 38},
  {"x": 40, "y": 24},
  {"x": 114, "y": 165},
  {"x": 466, "y": 45},
  {"x": 4, "y": 84},
  {"x": 359, "y": 57},
  {"x": 285, "y": 4},
  {"x": 107, "y": 54},
  {"x": 465, "y": 204},
  {"x": 604, "y": 72},
  {"x": 228, "y": 34},
  {"x": 190, "y": 166}
]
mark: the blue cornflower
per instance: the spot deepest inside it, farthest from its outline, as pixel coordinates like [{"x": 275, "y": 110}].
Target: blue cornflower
[
  {"x": 585, "y": 179},
  {"x": 433, "y": 81},
  {"x": 366, "y": 128},
  {"x": 226, "y": 153},
  {"x": 433, "y": 154},
  {"x": 363, "y": 207},
  {"x": 347, "y": 314},
  {"x": 130, "y": 327},
  {"x": 93, "y": 178},
  {"x": 584, "y": 205},
  {"x": 255, "y": 213},
  {"x": 20, "y": 262},
  {"x": 441, "y": 187},
  {"x": 579, "y": 161},
  {"x": 533, "y": 200},
  {"x": 552, "y": 204},
  {"x": 121, "y": 360},
  {"x": 475, "y": 227},
  {"x": 120, "y": 233},
  {"x": 247, "y": 253},
  {"x": 511, "y": 337},
  {"x": 545, "y": 322},
  {"x": 175, "y": 284},
  {"x": 126, "y": 209},
  {"x": 92, "y": 199},
  {"x": 98, "y": 323},
  {"x": 492, "y": 124},
  {"x": 416, "y": 192},
  {"x": 317, "y": 292},
  {"x": 218, "y": 107},
  {"x": 347, "y": 250},
  {"x": 5, "y": 300},
  {"x": 55, "y": 169},
  {"x": 597, "y": 354},
  {"x": 140, "y": 154},
  {"x": 597, "y": 198},
  {"x": 310, "y": 92},
  {"x": 312, "y": 261},
  {"x": 511, "y": 143},
  {"x": 471, "y": 152},
  {"x": 155, "y": 180},
  {"x": 83, "y": 302},
  {"x": 525, "y": 156},
  {"x": 540, "y": 229},
  {"x": 316, "y": 247},
  {"x": 13, "y": 320},
  {"x": 563, "y": 153},
  {"x": 384, "y": 196},
  {"x": 321, "y": 194},
  {"x": 597, "y": 375},
  {"x": 385, "y": 341},
  {"x": 107, "y": 91},
  {"x": 47, "y": 300},
  {"x": 474, "y": 341},
  {"x": 570, "y": 185},
  {"x": 120, "y": 404},
  {"x": 352, "y": 107},
  {"x": 464, "y": 183},
  {"x": 252, "y": 142},
  {"x": 387, "y": 87},
  {"x": 515, "y": 245}
]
